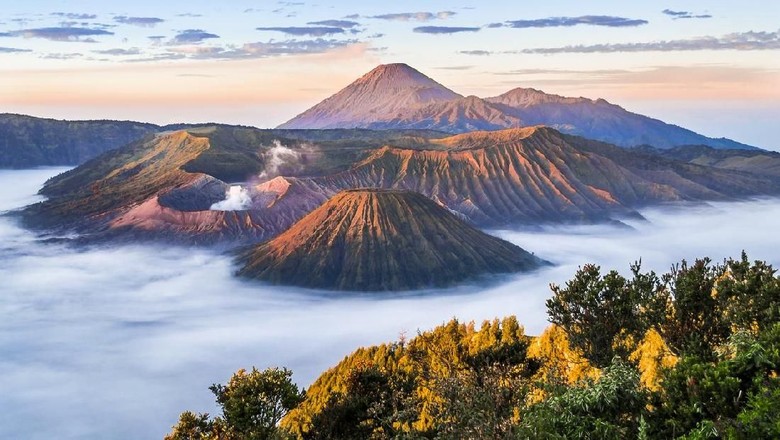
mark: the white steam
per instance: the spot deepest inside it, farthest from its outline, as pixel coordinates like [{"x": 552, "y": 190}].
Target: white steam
[
  {"x": 237, "y": 198},
  {"x": 278, "y": 156}
]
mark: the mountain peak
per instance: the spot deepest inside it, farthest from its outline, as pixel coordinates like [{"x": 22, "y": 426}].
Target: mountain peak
[
  {"x": 382, "y": 93},
  {"x": 380, "y": 239},
  {"x": 522, "y": 97}
]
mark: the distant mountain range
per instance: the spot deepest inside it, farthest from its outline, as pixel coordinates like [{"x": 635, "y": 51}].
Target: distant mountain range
[
  {"x": 374, "y": 239},
  {"x": 390, "y": 97},
  {"x": 27, "y": 142},
  {"x": 398, "y": 96}
]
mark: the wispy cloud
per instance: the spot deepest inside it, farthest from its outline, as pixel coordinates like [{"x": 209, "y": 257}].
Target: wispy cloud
[
  {"x": 74, "y": 16},
  {"x": 592, "y": 20},
  {"x": 313, "y": 31},
  {"x": 684, "y": 14},
  {"x": 335, "y": 23},
  {"x": 737, "y": 41},
  {"x": 415, "y": 16},
  {"x": 62, "y": 56},
  {"x": 477, "y": 52},
  {"x": 192, "y": 36},
  {"x": 13, "y": 50},
  {"x": 264, "y": 49},
  {"x": 189, "y": 14},
  {"x": 454, "y": 67},
  {"x": 442, "y": 30},
  {"x": 62, "y": 33},
  {"x": 139, "y": 21},
  {"x": 119, "y": 52}
]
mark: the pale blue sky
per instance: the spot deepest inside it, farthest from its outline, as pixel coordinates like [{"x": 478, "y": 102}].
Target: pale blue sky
[{"x": 712, "y": 66}]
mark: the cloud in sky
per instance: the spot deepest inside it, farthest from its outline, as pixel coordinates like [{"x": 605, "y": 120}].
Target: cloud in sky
[
  {"x": 119, "y": 52},
  {"x": 74, "y": 16},
  {"x": 139, "y": 21},
  {"x": 192, "y": 36},
  {"x": 336, "y": 23},
  {"x": 443, "y": 30},
  {"x": 62, "y": 33},
  {"x": 415, "y": 16},
  {"x": 736, "y": 41},
  {"x": 263, "y": 49},
  {"x": 313, "y": 31},
  {"x": 684, "y": 14},
  {"x": 13, "y": 50},
  {"x": 593, "y": 20},
  {"x": 477, "y": 52}
]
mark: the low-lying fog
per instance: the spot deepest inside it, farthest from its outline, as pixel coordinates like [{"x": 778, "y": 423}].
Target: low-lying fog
[{"x": 116, "y": 342}]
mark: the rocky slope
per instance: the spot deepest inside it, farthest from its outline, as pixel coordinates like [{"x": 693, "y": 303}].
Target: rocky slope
[
  {"x": 398, "y": 96},
  {"x": 533, "y": 175},
  {"x": 27, "y": 142},
  {"x": 371, "y": 239}
]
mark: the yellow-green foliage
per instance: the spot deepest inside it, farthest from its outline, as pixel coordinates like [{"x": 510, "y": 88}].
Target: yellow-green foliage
[
  {"x": 652, "y": 356},
  {"x": 558, "y": 360},
  {"x": 431, "y": 355}
]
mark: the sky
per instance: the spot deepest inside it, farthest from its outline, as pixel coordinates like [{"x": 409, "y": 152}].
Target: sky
[{"x": 712, "y": 66}]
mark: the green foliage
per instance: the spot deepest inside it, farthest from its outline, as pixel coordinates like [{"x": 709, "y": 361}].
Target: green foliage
[
  {"x": 611, "y": 407},
  {"x": 728, "y": 395},
  {"x": 603, "y": 316},
  {"x": 252, "y": 404},
  {"x": 376, "y": 404}
]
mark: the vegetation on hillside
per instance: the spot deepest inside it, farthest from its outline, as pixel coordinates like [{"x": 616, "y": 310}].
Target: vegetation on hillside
[{"x": 693, "y": 354}]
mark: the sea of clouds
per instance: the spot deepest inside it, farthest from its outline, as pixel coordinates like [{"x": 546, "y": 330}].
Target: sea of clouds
[{"x": 114, "y": 342}]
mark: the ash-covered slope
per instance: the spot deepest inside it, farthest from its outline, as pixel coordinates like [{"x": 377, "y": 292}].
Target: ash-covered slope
[
  {"x": 380, "y": 95},
  {"x": 370, "y": 240},
  {"x": 534, "y": 175}
]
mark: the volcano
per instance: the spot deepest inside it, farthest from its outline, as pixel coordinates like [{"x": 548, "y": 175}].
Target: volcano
[
  {"x": 383, "y": 94},
  {"x": 375, "y": 240}
]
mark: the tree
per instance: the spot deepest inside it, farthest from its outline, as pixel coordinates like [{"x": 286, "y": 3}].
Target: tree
[
  {"x": 252, "y": 404},
  {"x": 603, "y": 316},
  {"x": 611, "y": 407},
  {"x": 375, "y": 405}
]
